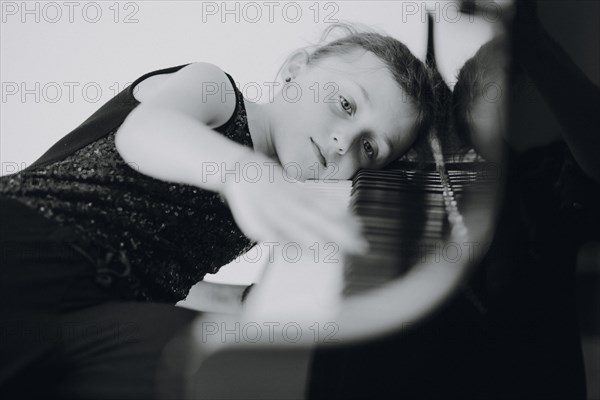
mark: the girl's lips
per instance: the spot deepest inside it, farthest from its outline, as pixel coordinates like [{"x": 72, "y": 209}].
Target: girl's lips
[{"x": 318, "y": 153}]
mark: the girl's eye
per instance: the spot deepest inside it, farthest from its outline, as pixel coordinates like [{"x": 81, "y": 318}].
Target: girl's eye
[
  {"x": 368, "y": 148},
  {"x": 346, "y": 105}
]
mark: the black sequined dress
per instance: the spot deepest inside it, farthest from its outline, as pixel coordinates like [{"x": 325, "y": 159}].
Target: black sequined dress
[{"x": 149, "y": 240}]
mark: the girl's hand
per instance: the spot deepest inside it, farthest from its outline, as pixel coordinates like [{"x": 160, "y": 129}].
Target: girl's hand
[{"x": 269, "y": 206}]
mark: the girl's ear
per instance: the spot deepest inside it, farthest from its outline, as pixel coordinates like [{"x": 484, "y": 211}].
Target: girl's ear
[{"x": 296, "y": 64}]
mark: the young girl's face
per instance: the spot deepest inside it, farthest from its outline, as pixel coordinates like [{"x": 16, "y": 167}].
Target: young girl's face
[{"x": 340, "y": 114}]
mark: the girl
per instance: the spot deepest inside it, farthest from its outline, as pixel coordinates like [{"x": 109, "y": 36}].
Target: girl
[{"x": 115, "y": 223}]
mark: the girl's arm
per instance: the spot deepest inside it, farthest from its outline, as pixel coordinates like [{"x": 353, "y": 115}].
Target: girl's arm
[
  {"x": 215, "y": 297},
  {"x": 169, "y": 137}
]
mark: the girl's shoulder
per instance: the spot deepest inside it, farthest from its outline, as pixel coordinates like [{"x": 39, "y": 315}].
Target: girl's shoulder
[{"x": 200, "y": 89}]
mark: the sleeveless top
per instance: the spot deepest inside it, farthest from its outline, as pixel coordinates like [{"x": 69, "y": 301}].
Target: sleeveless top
[{"x": 148, "y": 239}]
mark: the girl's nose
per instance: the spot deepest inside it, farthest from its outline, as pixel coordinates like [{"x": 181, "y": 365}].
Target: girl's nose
[{"x": 342, "y": 142}]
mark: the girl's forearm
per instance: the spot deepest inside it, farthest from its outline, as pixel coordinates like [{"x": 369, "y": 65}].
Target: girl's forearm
[
  {"x": 215, "y": 297},
  {"x": 171, "y": 146}
]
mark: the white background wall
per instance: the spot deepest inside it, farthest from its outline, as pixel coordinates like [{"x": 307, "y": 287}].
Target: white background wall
[{"x": 50, "y": 51}]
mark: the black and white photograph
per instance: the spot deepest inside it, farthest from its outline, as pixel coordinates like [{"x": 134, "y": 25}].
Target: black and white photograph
[{"x": 353, "y": 199}]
